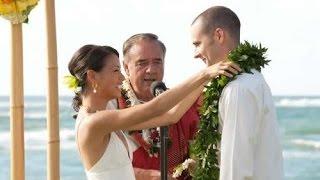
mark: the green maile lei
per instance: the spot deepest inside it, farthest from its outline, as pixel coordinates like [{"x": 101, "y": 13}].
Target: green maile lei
[{"x": 204, "y": 148}]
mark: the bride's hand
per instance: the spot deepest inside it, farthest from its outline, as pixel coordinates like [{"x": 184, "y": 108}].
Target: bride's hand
[{"x": 226, "y": 68}]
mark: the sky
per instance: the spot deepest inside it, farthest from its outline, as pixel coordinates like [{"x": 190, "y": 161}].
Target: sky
[{"x": 288, "y": 28}]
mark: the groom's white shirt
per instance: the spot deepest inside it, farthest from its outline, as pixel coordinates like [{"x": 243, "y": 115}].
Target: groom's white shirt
[{"x": 250, "y": 144}]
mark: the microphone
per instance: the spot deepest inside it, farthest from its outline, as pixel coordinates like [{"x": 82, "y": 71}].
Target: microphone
[{"x": 157, "y": 87}]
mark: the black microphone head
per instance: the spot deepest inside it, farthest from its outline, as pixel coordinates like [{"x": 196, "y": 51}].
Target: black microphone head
[{"x": 157, "y": 86}]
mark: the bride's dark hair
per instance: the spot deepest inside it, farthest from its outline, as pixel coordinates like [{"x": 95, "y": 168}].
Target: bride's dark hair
[{"x": 88, "y": 57}]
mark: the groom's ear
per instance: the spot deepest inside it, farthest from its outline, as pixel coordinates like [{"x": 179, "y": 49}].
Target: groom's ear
[{"x": 219, "y": 35}]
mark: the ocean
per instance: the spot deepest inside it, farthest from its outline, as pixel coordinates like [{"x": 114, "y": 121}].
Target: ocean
[{"x": 298, "y": 117}]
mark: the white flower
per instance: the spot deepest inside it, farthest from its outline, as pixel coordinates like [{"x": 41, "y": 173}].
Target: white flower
[
  {"x": 130, "y": 93},
  {"x": 78, "y": 89},
  {"x": 178, "y": 171},
  {"x": 186, "y": 163},
  {"x": 181, "y": 167}
]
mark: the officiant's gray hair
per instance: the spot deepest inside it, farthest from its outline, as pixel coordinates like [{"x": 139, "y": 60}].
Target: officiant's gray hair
[
  {"x": 220, "y": 17},
  {"x": 129, "y": 43}
]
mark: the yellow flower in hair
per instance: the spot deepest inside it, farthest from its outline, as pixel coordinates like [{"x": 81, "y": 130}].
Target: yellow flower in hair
[{"x": 71, "y": 82}]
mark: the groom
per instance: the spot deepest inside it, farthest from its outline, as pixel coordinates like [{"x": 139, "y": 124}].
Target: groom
[{"x": 250, "y": 146}]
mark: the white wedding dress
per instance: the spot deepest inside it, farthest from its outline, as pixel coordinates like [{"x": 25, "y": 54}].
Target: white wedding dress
[{"x": 115, "y": 163}]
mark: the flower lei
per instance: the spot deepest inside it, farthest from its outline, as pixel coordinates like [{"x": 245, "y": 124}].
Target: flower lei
[
  {"x": 17, "y": 11},
  {"x": 150, "y": 140},
  {"x": 204, "y": 149}
]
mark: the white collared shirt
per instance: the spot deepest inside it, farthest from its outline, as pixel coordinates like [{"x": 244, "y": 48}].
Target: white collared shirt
[{"x": 250, "y": 144}]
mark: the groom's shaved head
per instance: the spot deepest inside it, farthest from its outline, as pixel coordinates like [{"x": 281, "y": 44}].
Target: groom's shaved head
[{"x": 220, "y": 17}]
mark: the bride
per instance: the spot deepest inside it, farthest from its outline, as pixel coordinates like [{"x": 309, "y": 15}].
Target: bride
[{"x": 103, "y": 148}]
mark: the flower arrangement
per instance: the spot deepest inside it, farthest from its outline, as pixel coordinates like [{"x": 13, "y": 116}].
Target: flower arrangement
[{"x": 17, "y": 11}]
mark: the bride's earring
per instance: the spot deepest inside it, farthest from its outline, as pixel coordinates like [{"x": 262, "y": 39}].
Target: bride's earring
[{"x": 95, "y": 88}]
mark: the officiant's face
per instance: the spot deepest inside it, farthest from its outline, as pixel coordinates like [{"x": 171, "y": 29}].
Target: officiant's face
[
  {"x": 206, "y": 46},
  {"x": 145, "y": 64}
]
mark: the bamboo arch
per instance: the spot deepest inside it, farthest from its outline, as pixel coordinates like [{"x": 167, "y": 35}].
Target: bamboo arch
[
  {"x": 16, "y": 104},
  {"x": 53, "y": 155},
  {"x": 17, "y": 159}
]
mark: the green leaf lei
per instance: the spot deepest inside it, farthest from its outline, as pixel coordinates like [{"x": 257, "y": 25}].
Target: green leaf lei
[{"x": 204, "y": 148}]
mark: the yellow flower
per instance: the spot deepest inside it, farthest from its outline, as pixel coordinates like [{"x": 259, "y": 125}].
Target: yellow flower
[
  {"x": 22, "y": 6},
  {"x": 7, "y": 8},
  {"x": 7, "y": 1},
  {"x": 71, "y": 82},
  {"x": 16, "y": 11},
  {"x": 33, "y": 2}
]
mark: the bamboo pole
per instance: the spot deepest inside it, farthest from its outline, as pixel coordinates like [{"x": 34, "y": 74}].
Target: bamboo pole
[
  {"x": 53, "y": 155},
  {"x": 17, "y": 105}
]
